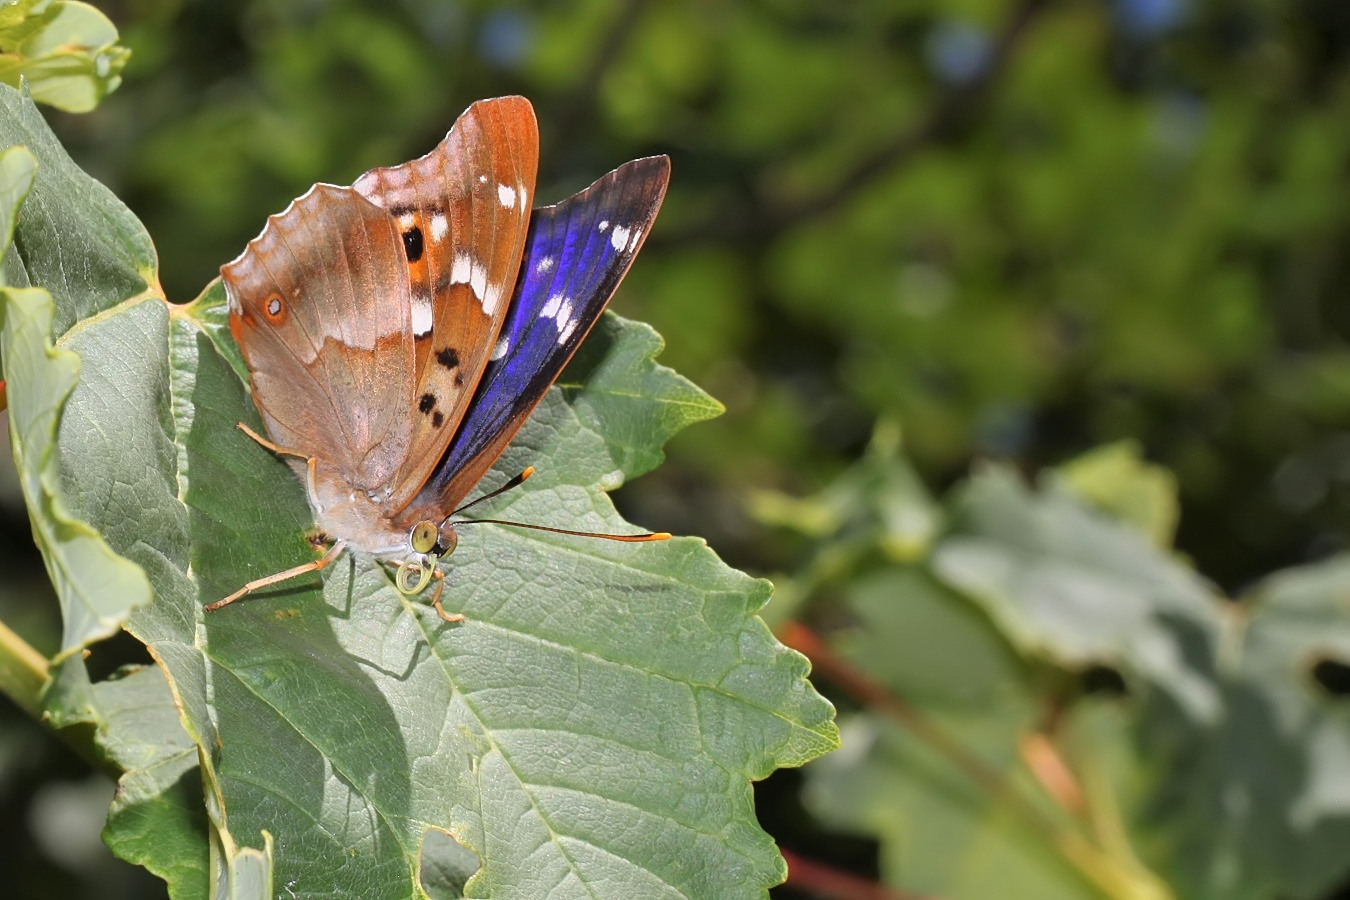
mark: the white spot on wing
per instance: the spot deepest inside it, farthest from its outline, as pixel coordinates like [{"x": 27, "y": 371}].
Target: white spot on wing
[
  {"x": 507, "y": 195},
  {"x": 461, "y": 270},
  {"x": 544, "y": 265},
  {"x": 482, "y": 179},
  {"x": 604, "y": 224},
  {"x": 551, "y": 307},
  {"x": 465, "y": 271},
  {"x": 491, "y": 295},
  {"x": 500, "y": 349},
  {"x": 564, "y": 318},
  {"x": 440, "y": 226},
  {"x": 567, "y": 330},
  {"x": 405, "y": 221},
  {"x": 421, "y": 316},
  {"x": 620, "y": 238}
]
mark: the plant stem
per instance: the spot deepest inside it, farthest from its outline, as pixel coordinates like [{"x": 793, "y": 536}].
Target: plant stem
[
  {"x": 1116, "y": 878},
  {"x": 829, "y": 882},
  {"x": 23, "y": 672}
]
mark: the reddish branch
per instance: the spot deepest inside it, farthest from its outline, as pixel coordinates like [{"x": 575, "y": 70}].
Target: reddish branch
[
  {"x": 833, "y": 884},
  {"x": 877, "y": 697}
]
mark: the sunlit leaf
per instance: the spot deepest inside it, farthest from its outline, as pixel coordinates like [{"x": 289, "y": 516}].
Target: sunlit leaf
[{"x": 591, "y": 729}]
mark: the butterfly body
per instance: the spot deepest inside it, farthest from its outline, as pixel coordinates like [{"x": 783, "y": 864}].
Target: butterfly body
[{"x": 399, "y": 331}]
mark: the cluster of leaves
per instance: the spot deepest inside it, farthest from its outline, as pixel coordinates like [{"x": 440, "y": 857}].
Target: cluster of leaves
[
  {"x": 593, "y": 727},
  {"x": 1021, "y": 228},
  {"x": 1048, "y": 703}
]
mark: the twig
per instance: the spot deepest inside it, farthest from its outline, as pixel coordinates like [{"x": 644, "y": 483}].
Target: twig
[
  {"x": 1116, "y": 877},
  {"x": 834, "y": 884},
  {"x": 23, "y": 672}
]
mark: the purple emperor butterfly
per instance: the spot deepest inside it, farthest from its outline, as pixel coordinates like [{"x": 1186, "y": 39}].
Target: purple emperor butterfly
[{"x": 398, "y": 332}]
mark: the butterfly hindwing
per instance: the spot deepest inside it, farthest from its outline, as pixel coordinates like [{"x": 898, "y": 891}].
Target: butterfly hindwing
[
  {"x": 314, "y": 307},
  {"x": 575, "y": 255},
  {"x": 461, "y": 212}
]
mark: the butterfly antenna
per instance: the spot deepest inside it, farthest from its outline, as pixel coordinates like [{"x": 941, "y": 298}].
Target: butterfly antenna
[
  {"x": 517, "y": 482},
  {"x": 513, "y": 483},
  {"x": 626, "y": 538}
]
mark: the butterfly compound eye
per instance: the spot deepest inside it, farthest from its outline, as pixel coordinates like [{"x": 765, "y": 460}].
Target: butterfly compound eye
[
  {"x": 424, "y": 536},
  {"x": 449, "y": 539}
]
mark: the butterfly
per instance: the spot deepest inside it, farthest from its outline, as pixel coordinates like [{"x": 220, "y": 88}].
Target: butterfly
[{"x": 398, "y": 332}]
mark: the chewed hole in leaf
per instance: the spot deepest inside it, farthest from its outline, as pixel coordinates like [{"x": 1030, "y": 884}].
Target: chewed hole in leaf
[
  {"x": 1104, "y": 680},
  {"x": 115, "y": 654},
  {"x": 1332, "y": 676},
  {"x": 446, "y": 865}
]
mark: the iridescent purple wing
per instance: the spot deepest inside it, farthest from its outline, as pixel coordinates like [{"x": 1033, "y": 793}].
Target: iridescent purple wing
[{"x": 576, "y": 254}]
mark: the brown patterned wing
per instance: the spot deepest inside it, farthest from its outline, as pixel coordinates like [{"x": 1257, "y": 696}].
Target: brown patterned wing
[
  {"x": 576, "y": 254},
  {"x": 461, "y": 212},
  {"x": 317, "y": 306}
]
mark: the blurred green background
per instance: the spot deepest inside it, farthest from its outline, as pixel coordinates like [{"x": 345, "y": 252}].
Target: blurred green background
[{"x": 1020, "y": 229}]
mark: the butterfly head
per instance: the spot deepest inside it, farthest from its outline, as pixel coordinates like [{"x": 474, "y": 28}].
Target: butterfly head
[{"x": 429, "y": 544}]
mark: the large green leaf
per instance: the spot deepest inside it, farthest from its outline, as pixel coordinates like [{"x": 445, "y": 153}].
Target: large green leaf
[
  {"x": 1069, "y": 585},
  {"x": 96, "y": 589},
  {"x": 1257, "y": 805},
  {"x": 591, "y": 729},
  {"x": 135, "y": 720}
]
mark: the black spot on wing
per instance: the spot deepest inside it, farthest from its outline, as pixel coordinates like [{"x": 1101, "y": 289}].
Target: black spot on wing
[
  {"x": 448, "y": 357},
  {"x": 412, "y": 244},
  {"x": 437, "y": 420},
  {"x": 427, "y": 403}
]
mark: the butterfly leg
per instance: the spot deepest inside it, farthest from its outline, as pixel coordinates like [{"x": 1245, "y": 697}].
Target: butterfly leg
[
  {"x": 436, "y": 599},
  {"x": 280, "y": 451},
  {"x": 316, "y": 566}
]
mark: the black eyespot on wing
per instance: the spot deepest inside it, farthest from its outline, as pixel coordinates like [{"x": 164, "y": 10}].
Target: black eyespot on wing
[
  {"x": 412, "y": 244},
  {"x": 427, "y": 403},
  {"x": 437, "y": 420},
  {"x": 448, "y": 357}
]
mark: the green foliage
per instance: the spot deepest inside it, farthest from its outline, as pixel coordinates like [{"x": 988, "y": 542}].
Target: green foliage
[
  {"x": 67, "y": 51},
  {"x": 592, "y": 728},
  {"x": 1020, "y": 229},
  {"x": 984, "y": 768}
]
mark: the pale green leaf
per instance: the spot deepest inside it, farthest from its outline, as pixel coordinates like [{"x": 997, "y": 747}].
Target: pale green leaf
[{"x": 66, "y": 50}]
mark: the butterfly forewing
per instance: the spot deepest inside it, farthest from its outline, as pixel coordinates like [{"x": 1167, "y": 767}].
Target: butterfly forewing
[
  {"x": 461, "y": 212},
  {"x": 313, "y": 309},
  {"x": 576, "y": 254}
]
